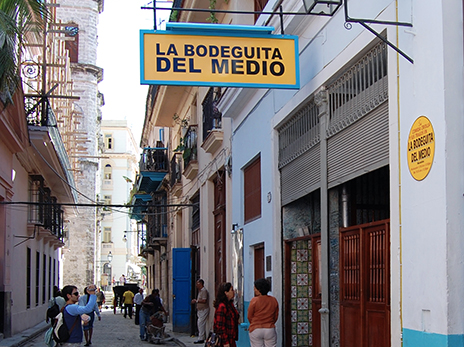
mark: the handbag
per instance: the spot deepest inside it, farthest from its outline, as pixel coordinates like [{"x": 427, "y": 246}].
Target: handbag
[{"x": 213, "y": 340}]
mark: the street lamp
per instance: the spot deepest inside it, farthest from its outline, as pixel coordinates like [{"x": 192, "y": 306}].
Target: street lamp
[
  {"x": 322, "y": 7},
  {"x": 109, "y": 257}
]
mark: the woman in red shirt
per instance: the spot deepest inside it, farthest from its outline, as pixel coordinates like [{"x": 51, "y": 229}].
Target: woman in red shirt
[
  {"x": 262, "y": 315},
  {"x": 226, "y": 316}
]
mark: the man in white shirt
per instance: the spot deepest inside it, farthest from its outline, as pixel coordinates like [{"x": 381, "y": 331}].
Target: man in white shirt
[
  {"x": 202, "y": 310},
  {"x": 138, "y": 298}
]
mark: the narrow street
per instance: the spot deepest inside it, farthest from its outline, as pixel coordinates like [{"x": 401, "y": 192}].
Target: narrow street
[{"x": 115, "y": 331}]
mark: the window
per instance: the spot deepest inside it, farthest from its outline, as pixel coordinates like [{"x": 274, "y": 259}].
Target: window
[
  {"x": 107, "y": 201},
  {"x": 28, "y": 279},
  {"x": 107, "y": 172},
  {"x": 106, "y": 235},
  {"x": 252, "y": 196},
  {"x": 37, "y": 278},
  {"x": 109, "y": 141},
  {"x": 72, "y": 43}
]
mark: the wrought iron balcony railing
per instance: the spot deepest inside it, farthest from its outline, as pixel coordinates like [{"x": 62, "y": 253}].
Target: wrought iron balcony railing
[{"x": 154, "y": 159}]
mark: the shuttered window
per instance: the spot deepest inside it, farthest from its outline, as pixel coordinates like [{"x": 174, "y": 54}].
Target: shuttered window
[{"x": 252, "y": 203}]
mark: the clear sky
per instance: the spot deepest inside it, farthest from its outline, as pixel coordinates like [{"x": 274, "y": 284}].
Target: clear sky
[{"x": 119, "y": 56}]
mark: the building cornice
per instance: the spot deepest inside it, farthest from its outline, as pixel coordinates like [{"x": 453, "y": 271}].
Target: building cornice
[{"x": 88, "y": 68}]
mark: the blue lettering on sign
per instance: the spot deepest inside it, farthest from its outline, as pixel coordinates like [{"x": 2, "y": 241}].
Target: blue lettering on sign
[
  {"x": 179, "y": 63},
  {"x": 159, "y": 64},
  {"x": 223, "y": 68},
  {"x": 225, "y": 51},
  {"x": 213, "y": 51}
]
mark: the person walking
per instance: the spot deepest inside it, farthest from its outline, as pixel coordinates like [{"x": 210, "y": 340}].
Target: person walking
[
  {"x": 122, "y": 280},
  {"x": 150, "y": 305},
  {"x": 128, "y": 298},
  {"x": 262, "y": 315},
  {"x": 72, "y": 312},
  {"x": 88, "y": 326},
  {"x": 202, "y": 310},
  {"x": 100, "y": 298},
  {"x": 138, "y": 298},
  {"x": 226, "y": 316}
]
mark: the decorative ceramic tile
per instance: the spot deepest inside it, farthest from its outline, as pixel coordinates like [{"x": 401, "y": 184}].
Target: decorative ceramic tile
[
  {"x": 302, "y": 328},
  {"x": 310, "y": 315},
  {"x": 310, "y": 340},
  {"x": 294, "y": 316},
  {"x": 302, "y": 316},
  {"x": 302, "y": 255},
  {"x": 302, "y": 304},
  {"x": 310, "y": 244},
  {"x": 293, "y": 291},
  {"x": 293, "y": 267},
  {"x": 302, "y": 279},
  {"x": 294, "y": 340}
]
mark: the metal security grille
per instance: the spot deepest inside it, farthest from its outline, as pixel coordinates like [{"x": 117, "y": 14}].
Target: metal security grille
[
  {"x": 299, "y": 134},
  {"x": 362, "y": 88}
]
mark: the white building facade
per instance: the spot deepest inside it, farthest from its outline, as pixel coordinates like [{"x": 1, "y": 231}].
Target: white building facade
[{"x": 118, "y": 234}]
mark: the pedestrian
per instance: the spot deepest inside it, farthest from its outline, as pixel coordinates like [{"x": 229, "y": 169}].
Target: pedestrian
[
  {"x": 88, "y": 327},
  {"x": 138, "y": 298},
  {"x": 226, "y": 316},
  {"x": 150, "y": 305},
  {"x": 128, "y": 298},
  {"x": 122, "y": 280},
  {"x": 262, "y": 315},
  {"x": 202, "y": 310},
  {"x": 72, "y": 312},
  {"x": 59, "y": 301},
  {"x": 100, "y": 299}
]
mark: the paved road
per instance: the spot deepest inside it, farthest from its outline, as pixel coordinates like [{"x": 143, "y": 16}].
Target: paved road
[{"x": 115, "y": 331}]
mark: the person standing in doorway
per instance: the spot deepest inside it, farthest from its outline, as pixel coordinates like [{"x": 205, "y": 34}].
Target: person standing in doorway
[
  {"x": 262, "y": 315},
  {"x": 202, "y": 310},
  {"x": 72, "y": 312},
  {"x": 128, "y": 298},
  {"x": 138, "y": 298}
]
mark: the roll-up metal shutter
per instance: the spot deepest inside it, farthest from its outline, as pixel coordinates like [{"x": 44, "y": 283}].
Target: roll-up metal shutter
[
  {"x": 360, "y": 148},
  {"x": 301, "y": 176}
]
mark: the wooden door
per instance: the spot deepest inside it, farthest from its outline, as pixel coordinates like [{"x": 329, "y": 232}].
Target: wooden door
[
  {"x": 365, "y": 285},
  {"x": 219, "y": 229}
]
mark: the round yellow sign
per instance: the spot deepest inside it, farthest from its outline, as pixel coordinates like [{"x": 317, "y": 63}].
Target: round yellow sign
[{"x": 421, "y": 148}]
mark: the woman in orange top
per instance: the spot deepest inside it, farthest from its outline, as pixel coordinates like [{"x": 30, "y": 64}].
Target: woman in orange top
[{"x": 262, "y": 315}]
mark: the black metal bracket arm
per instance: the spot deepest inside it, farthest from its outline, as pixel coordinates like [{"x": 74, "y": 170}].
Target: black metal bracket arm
[
  {"x": 281, "y": 13},
  {"x": 364, "y": 22}
]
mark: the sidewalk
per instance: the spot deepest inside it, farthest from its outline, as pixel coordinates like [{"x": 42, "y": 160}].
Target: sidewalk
[{"x": 113, "y": 330}]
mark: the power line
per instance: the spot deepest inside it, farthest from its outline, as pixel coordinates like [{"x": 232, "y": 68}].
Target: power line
[{"x": 90, "y": 205}]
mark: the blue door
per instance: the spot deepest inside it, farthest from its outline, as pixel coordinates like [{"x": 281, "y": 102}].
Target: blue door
[{"x": 181, "y": 273}]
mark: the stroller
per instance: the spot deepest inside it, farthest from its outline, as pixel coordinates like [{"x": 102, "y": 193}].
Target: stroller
[{"x": 155, "y": 331}]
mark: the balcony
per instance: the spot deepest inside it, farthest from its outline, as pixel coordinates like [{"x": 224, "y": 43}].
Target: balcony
[
  {"x": 190, "y": 152},
  {"x": 157, "y": 221},
  {"x": 154, "y": 166},
  {"x": 46, "y": 141},
  {"x": 141, "y": 202},
  {"x": 213, "y": 141},
  {"x": 176, "y": 175},
  {"x": 47, "y": 217}
]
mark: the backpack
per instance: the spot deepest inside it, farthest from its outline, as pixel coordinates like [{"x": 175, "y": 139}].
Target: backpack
[
  {"x": 53, "y": 311},
  {"x": 61, "y": 333}
]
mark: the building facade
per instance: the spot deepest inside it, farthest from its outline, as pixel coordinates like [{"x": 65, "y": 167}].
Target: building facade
[
  {"x": 118, "y": 242},
  {"x": 81, "y": 246},
  {"x": 339, "y": 191}
]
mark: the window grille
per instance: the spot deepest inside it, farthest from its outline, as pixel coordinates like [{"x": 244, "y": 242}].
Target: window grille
[
  {"x": 359, "y": 90},
  {"x": 299, "y": 133}
]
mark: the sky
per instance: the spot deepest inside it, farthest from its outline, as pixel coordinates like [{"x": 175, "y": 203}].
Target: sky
[{"x": 119, "y": 56}]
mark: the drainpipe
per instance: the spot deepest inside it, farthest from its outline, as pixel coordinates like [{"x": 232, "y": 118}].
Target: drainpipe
[{"x": 322, "y": 104}]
